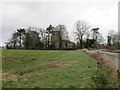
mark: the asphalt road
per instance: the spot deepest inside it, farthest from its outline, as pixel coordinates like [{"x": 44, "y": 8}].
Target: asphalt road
[{"x": 111, "y": 53}]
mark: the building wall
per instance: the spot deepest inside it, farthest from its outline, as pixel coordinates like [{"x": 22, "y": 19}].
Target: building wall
[{"x": 56, "y": 39}]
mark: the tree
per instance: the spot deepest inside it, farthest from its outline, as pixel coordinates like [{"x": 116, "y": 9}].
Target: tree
[
  {"x": 20, "y": 33},
  {"x": 113, "y": 40},
  {"x": 49, "y": 31},
  {"x": 109, "y": 40},
  {"x": 32, "y": 40},
  {"x": 92, "y": 43},
  {"x": 87, "y": 39},
  {"x": 81, "y": 27},
  {"x": 95, "y": 35},
  {"x": 8, "y": 45},
  {"x": 67, "y": 39},
  {"x": 113, "y": 37},
  {"x": 100, "y": 39},
  {"x": 27, "y": 41},
  {"x": 43, "y": 36},
  {"x": 14, "y": 40}
]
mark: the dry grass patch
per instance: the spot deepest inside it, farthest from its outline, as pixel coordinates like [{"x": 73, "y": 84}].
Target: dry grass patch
[
  {"x": 14, "y": 76},
  {"x": 105, "y": 62}
]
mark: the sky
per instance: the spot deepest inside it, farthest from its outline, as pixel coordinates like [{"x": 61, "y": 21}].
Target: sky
[{"x": 22, "y": 14}]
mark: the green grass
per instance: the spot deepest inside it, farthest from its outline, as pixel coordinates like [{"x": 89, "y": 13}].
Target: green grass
[{"x": 49, "y": 69}]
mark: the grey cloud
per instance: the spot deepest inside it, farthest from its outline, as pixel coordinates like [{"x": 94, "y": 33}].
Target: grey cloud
[{"x": 41, "y": 14}]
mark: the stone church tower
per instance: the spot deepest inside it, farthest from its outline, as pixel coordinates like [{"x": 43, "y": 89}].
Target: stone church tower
[{"x": 56, "y": 39}]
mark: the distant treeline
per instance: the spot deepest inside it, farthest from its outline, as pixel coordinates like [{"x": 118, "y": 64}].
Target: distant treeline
[
  {"x": 38, "y": 38},
  {"x": 54, "y": 38}
]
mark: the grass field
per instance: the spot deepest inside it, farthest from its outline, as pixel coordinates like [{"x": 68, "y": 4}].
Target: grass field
[{"x": 49, "y": 69}]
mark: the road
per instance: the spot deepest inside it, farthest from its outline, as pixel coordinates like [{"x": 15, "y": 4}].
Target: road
[{"x": 111, "y": 53}]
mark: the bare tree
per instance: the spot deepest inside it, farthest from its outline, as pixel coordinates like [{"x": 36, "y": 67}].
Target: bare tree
[
  {"x": 114, "y": 37},
  {"x": 12, "y": 41},
  {"x": 43, "y": 36},
  {"x": 100, "y": 39},
  {"x": 81, "y": 27}
]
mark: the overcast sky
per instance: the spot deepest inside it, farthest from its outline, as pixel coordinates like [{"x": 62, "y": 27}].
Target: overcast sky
[{"x": 99, "y": 13}]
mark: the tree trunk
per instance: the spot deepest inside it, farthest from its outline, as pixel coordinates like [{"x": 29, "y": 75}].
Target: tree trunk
[
  {"x": 81, "y": 43},
  {"x": 60, "y": 40},
  {"x": 48, "y": 40},
  {"x": 20, "y": 42}
]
